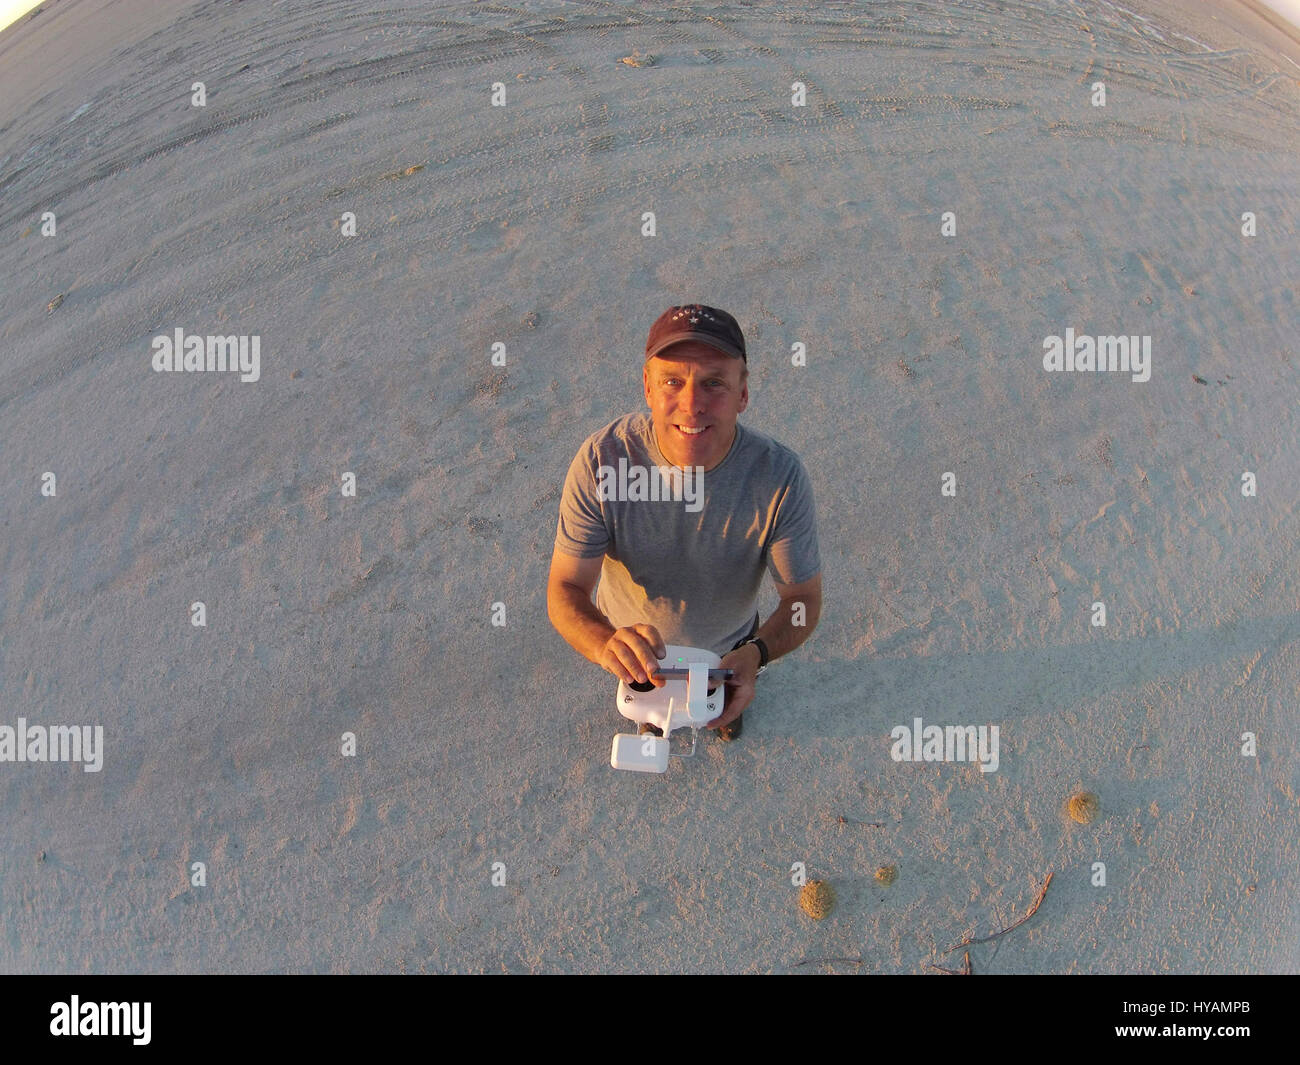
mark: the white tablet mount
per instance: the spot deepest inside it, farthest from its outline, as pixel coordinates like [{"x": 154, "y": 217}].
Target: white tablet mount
[{"x": 694, "y": 694}]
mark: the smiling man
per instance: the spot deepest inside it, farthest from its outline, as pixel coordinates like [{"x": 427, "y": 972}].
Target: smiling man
[{"x": 679, "y": 541}]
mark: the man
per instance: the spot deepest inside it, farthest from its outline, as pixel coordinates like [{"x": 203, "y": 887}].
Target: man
[{"x": 684, "y": 564}]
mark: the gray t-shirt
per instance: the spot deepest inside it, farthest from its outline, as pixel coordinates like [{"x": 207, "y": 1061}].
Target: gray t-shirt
[{"x": 686, "y": 554}]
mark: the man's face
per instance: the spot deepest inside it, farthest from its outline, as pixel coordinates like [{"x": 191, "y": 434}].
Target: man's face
[{"x": 694, "y": 386}]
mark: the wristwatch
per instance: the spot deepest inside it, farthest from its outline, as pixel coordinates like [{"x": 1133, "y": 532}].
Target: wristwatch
[{"x": 762, "y": 653}]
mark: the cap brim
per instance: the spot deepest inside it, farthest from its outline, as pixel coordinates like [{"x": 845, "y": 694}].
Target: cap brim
[{"x": 714, "y": 342}]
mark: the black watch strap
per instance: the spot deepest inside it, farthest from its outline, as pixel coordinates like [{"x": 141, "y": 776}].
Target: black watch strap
[{"x": 763, "y": 657}]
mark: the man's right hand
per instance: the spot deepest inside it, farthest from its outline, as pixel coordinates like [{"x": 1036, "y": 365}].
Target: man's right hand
[{"x": 632, "y": 654}]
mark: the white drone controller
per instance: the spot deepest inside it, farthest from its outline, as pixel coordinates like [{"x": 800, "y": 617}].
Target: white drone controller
[{"x": 694, "y": 694}]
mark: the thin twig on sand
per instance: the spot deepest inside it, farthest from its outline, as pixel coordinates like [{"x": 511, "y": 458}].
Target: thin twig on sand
[
  {"x": 853, "y": 821},
  {"x": 1032, "y": 910},
  {"x": 965, "y": 970},
  {"x": 844, "y": 961}
]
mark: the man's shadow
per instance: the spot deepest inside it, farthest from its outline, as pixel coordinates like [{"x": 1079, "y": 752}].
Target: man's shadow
[{"x": 802, "y": 698}]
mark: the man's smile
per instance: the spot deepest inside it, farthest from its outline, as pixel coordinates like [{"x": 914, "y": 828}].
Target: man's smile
[{"x": 692, "y": 430}]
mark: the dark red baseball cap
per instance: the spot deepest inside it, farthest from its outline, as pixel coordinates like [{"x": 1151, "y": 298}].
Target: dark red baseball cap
[{"x": 695, "y": 321}]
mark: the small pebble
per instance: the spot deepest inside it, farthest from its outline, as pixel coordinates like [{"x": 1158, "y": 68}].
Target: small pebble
[{"x": 887, "y": 874}]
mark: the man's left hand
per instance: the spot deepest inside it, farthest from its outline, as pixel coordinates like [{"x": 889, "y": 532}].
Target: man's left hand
[{"x": 740, "y": 688}]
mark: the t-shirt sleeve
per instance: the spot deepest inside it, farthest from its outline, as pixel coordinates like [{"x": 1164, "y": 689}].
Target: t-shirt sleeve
[
  {"x": 581, "y": 530},
  {"x": 793, "y": 556}
]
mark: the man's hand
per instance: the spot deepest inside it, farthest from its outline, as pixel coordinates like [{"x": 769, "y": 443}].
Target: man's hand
[
  {"x": 740, "y": 688},
  {"x": 632, "y": 654}
]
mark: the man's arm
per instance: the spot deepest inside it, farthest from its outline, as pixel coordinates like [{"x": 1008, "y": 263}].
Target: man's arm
[
  {"x": 569, "y": 605},
  {"x": 631, "y": 653},
  {"x": 799, "y": 603}
]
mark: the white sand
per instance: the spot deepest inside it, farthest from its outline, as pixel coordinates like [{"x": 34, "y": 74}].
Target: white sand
[{"x": 480, "y": 744}]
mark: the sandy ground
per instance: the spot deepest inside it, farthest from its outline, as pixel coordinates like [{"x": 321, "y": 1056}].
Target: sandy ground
[{"x": 482, "y": 744}]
